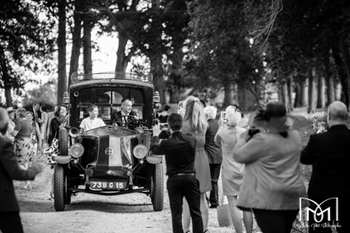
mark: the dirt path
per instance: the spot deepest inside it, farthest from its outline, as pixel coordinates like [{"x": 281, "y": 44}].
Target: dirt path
[{"x": 94, "y": 213}]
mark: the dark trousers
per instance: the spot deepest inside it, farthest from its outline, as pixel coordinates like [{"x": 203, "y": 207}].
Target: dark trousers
[
  {"x": 214, "y": 193},
  {"x": 10, "y": 222},
  {"x": 188, "y": 187},
  {"x": 275, "y": 221}
]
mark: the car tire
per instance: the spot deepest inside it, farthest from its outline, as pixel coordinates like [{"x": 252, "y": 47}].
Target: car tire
[
  {"x": 68, "y": 193},
  {"x": 59, "y": 187},
  {"x": 63, "y": 142},
  {"x": 157, "y": 187}
]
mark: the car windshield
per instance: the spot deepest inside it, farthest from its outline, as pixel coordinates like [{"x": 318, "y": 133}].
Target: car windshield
[{"x": 108, "y": 101}]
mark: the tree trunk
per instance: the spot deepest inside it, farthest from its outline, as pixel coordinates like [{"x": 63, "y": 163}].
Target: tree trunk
[
  {"x": 330, "y": 90},
  {"x": 297, "y": 99},
  {"x": 312, "y": 91},
  {"x": 228, "y": 95},
  {"x": 305, "y": 93},
  {"x": 337, "y": 91},
  {"x": 346, "y": 60},
  {"x": 157, "y": 72},
  {"x": 329, "y": 79},
  {"x": 246, "y": 99},
  {"x": 5, "y": 78},
  {"x": 61, "y": 42},
  {"x": 8, "y": 97},
  {"x": 285, "y": 96},
  {"x": 74, "y": 60},
  {"x": 122, "y": 60},
  {"x": 341, "y": 74},
  {"x": 321, "y": 92},
  {"x": 87, "y": 48},
  {"x": 290, "y": 94}
]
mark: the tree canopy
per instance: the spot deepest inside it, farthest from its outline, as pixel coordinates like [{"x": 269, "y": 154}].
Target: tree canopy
[
  {"x": 197, "y": 44},
  {"x": 25, "y": 43}
]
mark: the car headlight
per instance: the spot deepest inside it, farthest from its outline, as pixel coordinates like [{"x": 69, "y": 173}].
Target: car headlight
[
  {"x": 140, "y": 151},
  {"x": 76, "y": 150}
]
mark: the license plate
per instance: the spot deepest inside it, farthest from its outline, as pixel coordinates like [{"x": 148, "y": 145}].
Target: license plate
[{"x": 107, "y": 185}]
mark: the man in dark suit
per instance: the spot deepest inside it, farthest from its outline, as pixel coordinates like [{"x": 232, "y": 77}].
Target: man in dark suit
[
  {"x": 329, "y": 155},
  {"x": 214, "y": 154},
  {"x": 126, "y": 116},
  {"x": 9, "y": 169},
  {"x": 179, "y": 151}
]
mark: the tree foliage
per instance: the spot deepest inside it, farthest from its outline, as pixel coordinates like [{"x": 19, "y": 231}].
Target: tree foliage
[
  {"x": 223, "y": 50},
  {"x": 26, "y": 43},
  {"x": 312, "y": 36}
]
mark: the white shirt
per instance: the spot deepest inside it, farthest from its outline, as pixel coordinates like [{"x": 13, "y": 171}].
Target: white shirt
[{"x": 88, "y": 124}]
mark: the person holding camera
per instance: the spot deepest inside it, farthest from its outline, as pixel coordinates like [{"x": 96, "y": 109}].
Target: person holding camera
[
  {"x": 272, "y": 182},
  {"x": 328, "y": 153},
  {"x": 180, "y": 151},
  {"x": 232, "y": 171}
]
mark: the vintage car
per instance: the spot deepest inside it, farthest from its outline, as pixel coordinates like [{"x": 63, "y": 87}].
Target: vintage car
[{"x": 110, "y": 160}]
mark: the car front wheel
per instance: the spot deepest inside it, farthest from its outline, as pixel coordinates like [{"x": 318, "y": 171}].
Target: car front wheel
[
  {"x": 59, "y": 187},
  {"x": 157, "y": 187}
]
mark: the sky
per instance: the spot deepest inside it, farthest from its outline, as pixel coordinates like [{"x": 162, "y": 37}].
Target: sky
[{"x": 104, "y": 60}]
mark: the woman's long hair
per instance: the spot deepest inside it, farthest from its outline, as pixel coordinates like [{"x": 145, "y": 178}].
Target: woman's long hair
[
  {"x": 57, "y": 114},
  {"x": 194, "y": 115}
]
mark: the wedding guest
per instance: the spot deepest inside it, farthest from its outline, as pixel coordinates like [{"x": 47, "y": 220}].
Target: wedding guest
[
  {"x": 50, "y": 116},
  {"x": 11, "y": 124},
  {"x": 232, "y": 171},
  {"x": 328, "y": 153},
  {"x": 196, "y": 124},
  {"x": 36, "y": 113},
  {"x": 36, "y": 134},
  {"x": 163, "y": 115},
  {"x": 126, "y": 116},
  {"x": 179, "y": 151},
  {"x": 58, "y": 122},
  {"x": 10, "y": 170},
  {"x": 92, "y": 121},
  {"x": 272, "y": 182},
  {"x": 44, "y": 125},
  {"x": 214, "y": 154},
  {"x": 23, "y": 146}
]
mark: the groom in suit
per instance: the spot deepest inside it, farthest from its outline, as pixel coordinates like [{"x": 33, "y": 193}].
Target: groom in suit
[
  {"x": 10, "y": 220},
  {"x": 126, "y": 116},
  {"x": 329, "y": 155}
]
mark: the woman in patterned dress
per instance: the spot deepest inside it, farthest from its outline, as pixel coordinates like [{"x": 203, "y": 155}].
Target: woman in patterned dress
[
  {"x": 22, "y": 144},
  {"x": 232, "y": 171},
  {"x": 196, "y": 124},
  {"x": 35, "y": 136}
]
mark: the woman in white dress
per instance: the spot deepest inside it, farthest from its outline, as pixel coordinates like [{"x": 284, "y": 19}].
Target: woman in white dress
[
  {"x": 232, "y": 171},
  {"x": 92, "y": 121}
]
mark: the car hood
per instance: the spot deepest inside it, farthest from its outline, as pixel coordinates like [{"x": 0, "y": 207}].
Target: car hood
[{"x": 110, "y": 130}]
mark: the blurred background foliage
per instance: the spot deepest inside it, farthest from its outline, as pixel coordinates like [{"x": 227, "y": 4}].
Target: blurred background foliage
[{"x": 245, "y": 51}]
